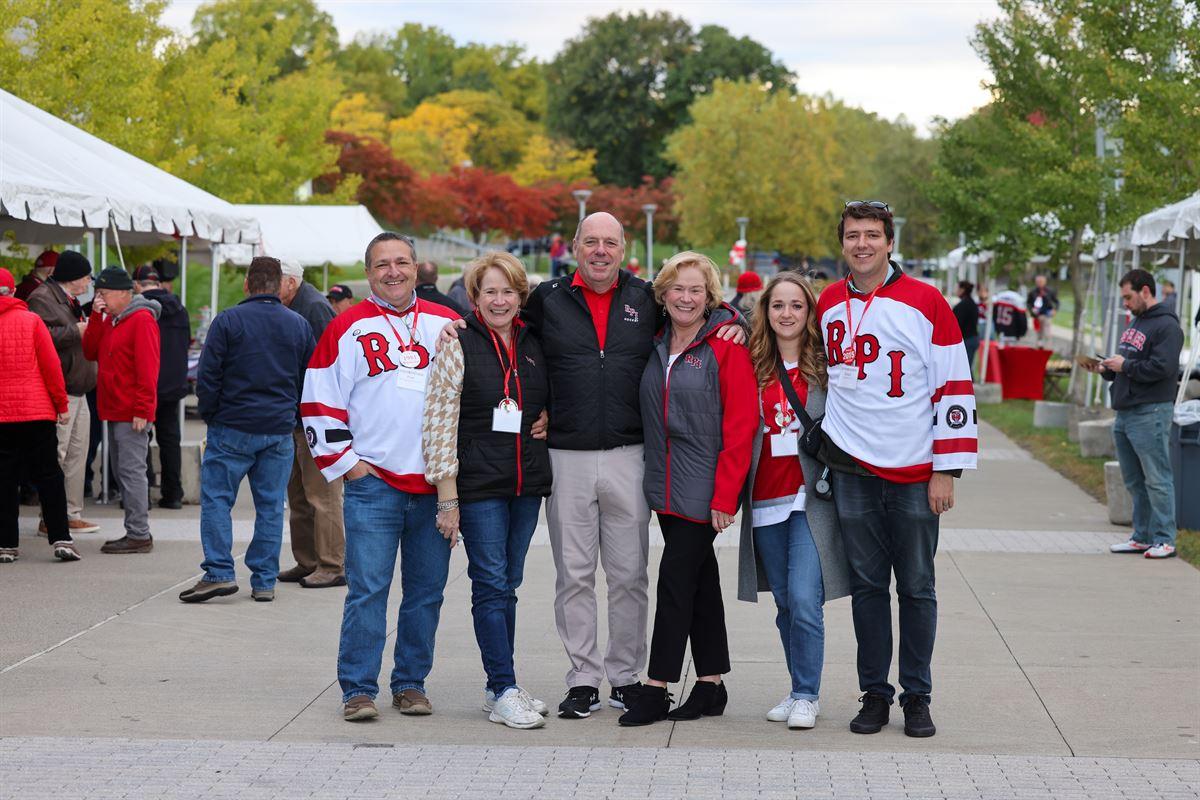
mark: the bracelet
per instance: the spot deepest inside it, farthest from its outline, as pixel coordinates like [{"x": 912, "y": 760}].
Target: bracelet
[{"x": 447, "y": 505}]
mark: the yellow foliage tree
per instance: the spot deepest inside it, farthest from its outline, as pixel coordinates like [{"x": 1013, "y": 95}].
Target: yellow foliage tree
[
  {"x": 357, "y": 114},
  {"x": 433, "y": 138},
  {"x": 547, "y": 159},
  {"x": 770, "y": 156}
]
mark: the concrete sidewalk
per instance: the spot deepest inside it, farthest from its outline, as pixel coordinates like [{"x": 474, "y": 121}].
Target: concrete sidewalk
[{"x": 1056, "y": 663}]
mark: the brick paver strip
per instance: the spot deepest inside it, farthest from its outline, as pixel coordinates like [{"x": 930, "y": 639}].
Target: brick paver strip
[{"x": 61, "y": 768}]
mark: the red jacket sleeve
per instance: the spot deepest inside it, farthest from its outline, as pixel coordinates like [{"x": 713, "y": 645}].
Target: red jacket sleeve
[
  {"x": 739, "y": 417},
  {"x": 97, "y": 327},
  {"x": 145, "y": 365},
  {"x": 50, "y": 366}
]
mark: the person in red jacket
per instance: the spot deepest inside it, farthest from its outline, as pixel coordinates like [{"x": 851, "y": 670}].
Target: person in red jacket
[
  {"x": 122, "y": 337},
  {"x": 43, "y": 268},
  {"x": 33, "y": 399}
]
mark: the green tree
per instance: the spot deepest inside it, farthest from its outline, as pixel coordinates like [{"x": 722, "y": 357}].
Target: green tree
[
  {"x": 624, "y": 84},
  {"x": 423, "y": 58},
  {"x": 505, "y": 70},
  {"x": 366, "y": 66},
  {"x": 770, "y": 156},
  {"x": 259, "y": 26},
  {"x": 500, "y": 131}
]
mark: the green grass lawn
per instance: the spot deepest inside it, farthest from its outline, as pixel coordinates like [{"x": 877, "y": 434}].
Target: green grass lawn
[{"x": 1050, "y": 446}]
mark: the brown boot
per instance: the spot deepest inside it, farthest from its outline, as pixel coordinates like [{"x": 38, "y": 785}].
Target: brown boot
[
  {"x": 294, "y": 575},
  {"x": 412, "y": 702},
  {"x": 322, "y": 580},
  {"x": 125, "y": 545}
]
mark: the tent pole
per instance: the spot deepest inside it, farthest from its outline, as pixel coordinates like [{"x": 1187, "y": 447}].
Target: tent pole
[
  {"x": 1179, "y": 287},
  {"x": 212, "y": 301},
  {"x": 183, "y": 271},
  {"x": 103, "y": 425},
  {"x": 325, "y": 287}
]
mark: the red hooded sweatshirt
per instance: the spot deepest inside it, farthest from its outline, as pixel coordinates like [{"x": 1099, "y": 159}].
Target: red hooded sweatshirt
[{"x": 126, "y": 349}]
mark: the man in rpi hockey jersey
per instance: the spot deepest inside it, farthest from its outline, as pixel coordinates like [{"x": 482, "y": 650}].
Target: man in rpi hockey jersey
[
  {"x": 900, "y": 425},
  {"x": 363, "y": 401}
]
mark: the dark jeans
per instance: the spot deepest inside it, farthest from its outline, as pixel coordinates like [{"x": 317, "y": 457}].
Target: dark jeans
[
  {"x": 689, "y": 603},
  {"x": 29, "y": 450},
  {"x": 888, "y": 527},
  {"x": 167, "y": 434},
  {"x": 496, "y": 533}
]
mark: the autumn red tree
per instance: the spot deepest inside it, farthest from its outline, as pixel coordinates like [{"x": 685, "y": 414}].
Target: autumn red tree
[
  {"x": 623, "y": 202},
  {"x": 389, "y": 186},
  {"x": 485, "y": 201}
]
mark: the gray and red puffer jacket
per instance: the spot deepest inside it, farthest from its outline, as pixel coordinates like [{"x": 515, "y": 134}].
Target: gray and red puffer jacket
[{"x": 699, "y": 421}]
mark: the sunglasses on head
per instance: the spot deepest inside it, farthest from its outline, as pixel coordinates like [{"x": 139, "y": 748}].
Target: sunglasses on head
[{"x": 872, "y": 203}]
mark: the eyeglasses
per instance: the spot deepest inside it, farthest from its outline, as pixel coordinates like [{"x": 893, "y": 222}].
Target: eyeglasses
[{"x": 882, "y": 206}]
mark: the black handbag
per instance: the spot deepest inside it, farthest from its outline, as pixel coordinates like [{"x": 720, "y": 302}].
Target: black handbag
[{"x": 812, "y": 440}]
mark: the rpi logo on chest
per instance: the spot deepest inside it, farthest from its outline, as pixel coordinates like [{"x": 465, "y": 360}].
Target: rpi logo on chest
[
  {"x": 631, "y": 313},
  {"x": 1134, "y": 338},
  {"x": 693, "y": 361}
]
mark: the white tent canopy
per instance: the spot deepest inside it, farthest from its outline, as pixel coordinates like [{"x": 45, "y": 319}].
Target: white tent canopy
[
  {"x": 308, "y": 235},
  {"x": 56, "y": 180},
  {"x": 1177, "y": 221}
]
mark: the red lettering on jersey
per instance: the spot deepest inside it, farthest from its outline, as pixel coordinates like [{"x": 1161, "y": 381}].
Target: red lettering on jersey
[
  {"x": 866, "y": 351},
  {"x": 375, "y": 348},
  {"x": 897, "y": 372},
  {"x": 835, "y": 332},
  {"x": 422, "y": 352}
]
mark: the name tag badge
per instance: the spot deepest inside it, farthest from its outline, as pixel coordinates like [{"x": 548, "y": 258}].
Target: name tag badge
[
  {"x": 785, "y": 444},
  {"x": 506, "y": 418},
  {"x": 848, "y": 378},
  {"x": 411, "y": 379}
]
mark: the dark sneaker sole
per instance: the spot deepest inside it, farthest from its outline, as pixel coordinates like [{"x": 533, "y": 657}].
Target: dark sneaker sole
[
  {"x": 361, "y": 714},
  {"x": 862, "y": 727},
  {"x": 920, "y": 733},
  {"x": 571, "y": 713},
  {"x": 200, "y": 597},
  {"x": 128, "y": 551}
]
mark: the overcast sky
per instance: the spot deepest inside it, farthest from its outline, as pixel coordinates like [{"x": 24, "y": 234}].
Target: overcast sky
[{"x": 910, "y": 57}]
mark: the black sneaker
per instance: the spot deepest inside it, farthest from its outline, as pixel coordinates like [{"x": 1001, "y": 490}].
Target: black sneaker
[
  {"x": 917, "y": 721},
  {"x": 873, "y": 715},
  {"x": 620, "y": 698},
  {"x": 579, "y": 703}
]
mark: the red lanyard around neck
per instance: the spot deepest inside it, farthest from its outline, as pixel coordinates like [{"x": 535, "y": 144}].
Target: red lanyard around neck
[
  {"x": 412, "y": 331},
  {"x": 848, "y": 353},
  {"x": 512, "y": 358}
]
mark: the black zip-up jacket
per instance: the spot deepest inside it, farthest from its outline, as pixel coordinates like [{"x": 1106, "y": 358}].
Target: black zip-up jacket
[
  {"x": 593, "y": 393},
  {"x": 1151, "y": 346},
  {"x": 174, "y": 336}
]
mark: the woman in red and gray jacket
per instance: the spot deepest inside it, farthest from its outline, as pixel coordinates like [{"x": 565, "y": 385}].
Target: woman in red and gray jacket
[
  {"x": 33, "y": 398},
  {"x": 699, "y": 416}
]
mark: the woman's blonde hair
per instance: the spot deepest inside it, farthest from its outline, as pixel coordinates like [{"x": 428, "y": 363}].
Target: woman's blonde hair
[
  {"x": 670, "y": 273},
  {"x": 764, "y": 350},
  {"x": 510, "y": 265}
]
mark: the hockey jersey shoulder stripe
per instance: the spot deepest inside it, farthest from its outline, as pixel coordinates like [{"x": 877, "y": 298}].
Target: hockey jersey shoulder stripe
[
  {"x": 965, "y": 445},
  {"x": 952, "y": 388},
  {"x": 834, "y": 293},
  {"x": 929, "y": 301},
  {"x": 322, "y": 410}
]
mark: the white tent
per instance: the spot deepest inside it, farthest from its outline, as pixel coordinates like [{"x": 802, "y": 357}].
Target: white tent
[
  {"x": 1177, "y": 221},
  {"x": 57, "y": 180},
  {"x": 311, "y": 236}
]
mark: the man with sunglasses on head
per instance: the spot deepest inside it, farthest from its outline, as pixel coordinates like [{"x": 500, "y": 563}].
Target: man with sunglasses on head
[
  {"x": 362, "y": 406},
  {"x": 899, "y": 426}
]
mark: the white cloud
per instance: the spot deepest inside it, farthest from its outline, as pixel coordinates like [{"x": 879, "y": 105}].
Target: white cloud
[{"x": 890, "y": 57}]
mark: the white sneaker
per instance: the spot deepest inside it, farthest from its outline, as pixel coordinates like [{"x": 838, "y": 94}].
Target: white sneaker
[
  {"x": 511, "y": 709},
  {"x": 781, "y": 712},
  {"x": 1132, "y": 546},
  {"x": 1161, "y": 551},
  {"x": 489, "y": 701},
  {"x": 804, "y": 714}
]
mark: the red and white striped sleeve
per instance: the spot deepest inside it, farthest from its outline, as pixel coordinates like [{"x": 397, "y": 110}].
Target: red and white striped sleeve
[
  {"x": 955, "y": 423},
  {"x": 325, "y": 403}
]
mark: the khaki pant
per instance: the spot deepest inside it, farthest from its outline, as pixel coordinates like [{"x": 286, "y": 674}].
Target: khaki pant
[
  {"x": 318, "y": 532},
  {"x": 72, "y": 451},
  {"x": 598, "y": 514}
]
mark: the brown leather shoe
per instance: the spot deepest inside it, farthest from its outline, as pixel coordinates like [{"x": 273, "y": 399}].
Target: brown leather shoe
[
  {"x": 322, "y": 580},
  {"x": 412, "y": 702},
  {"x": 81, "y": 526},
  {"x": 207, "y": 590},
  {"x": 359, "y": 708},
  {"x": 125, "y": 545},
  {"x": 294, "y": 575}
]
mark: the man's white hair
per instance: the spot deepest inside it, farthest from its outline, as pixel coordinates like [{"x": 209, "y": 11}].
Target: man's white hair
[{"x": 291, "y": 269}]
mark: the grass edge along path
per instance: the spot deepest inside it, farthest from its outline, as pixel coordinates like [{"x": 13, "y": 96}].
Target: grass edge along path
[{"x": 1014, "y": 418}]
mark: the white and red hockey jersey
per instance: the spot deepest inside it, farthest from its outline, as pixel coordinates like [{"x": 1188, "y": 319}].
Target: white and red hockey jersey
[
  {"x": 912, "y": 410},
  {"x": 361, "y": 401}
]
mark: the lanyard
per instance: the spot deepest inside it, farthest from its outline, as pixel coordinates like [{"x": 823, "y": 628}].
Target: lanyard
[
  {"x": 848, "y": 353},
  {"x": 784, "y": 417},
  {"x": 512, "y": 360},
  {"x": 412, "y": 329}
]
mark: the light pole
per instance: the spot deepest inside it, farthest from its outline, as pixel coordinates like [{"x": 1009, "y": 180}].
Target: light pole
[
  {"x": 582, "y": 196},
  {"x": 899, "y": 223},
  {"x": 649, "y": 209},
  {"x": 742, "y": 223}
]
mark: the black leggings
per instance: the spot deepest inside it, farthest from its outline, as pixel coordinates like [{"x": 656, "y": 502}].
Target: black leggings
[
  {"x": 30, "y": 450},
  {"x": 689, "y": 603}
]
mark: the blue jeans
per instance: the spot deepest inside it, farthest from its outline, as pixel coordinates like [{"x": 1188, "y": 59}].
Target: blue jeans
[
  {"x": 496, "y": 534},
  {"x": 888, "y": 526},
  {"x": 229, "y": 456},
  {"x": 793, "y": 568},
  {"x": 1143, "y": 438},
  {"x": 379, "y": 521}
]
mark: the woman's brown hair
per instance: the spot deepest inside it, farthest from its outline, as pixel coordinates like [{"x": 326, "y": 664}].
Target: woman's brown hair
[{"x": 764, "y": 351}]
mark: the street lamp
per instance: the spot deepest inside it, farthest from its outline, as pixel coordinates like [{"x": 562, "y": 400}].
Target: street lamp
[
  {"x": 742, "y": 223},
  {"x": 899, "y": 223},
  {"x": 582, "y": 196},
  {"x": 649, "y": 210}
]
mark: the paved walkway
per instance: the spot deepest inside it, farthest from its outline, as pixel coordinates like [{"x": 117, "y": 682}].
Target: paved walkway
[{"x": 1061, "y": 671}]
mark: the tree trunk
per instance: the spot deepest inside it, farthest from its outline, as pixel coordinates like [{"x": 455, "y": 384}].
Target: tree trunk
[{"x": 1079, "y": 290}]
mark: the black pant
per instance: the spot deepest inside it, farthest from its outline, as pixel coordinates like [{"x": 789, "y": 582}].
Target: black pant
[
  {"x": 30, "y": 450},
  {"x": 888, "y": 527},
  {"x": 166, "y": 433},
  {"x": 689, "y": 603}
]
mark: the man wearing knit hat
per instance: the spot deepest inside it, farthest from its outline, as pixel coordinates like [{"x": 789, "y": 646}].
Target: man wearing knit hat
[
  {"x": 43, "y": 267},
  {"x": 122, "y": 337},
  {"x": 341, "y": 297},
  {"x": 55, "y": 301}
]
